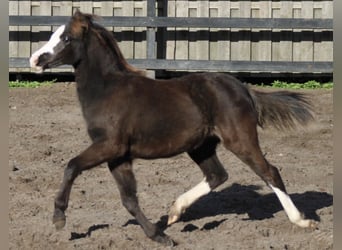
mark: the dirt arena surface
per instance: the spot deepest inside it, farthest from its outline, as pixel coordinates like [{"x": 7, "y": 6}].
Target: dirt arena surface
[{"x": 47, "y": 130}]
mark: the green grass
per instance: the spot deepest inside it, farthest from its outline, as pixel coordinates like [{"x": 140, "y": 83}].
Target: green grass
[
  {"x": 276, "y": 84},
  {"x": 307, "y": 85},
  {"x": 29, "y": 84}
]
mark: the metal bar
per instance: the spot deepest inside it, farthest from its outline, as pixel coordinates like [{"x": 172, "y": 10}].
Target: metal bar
[
  {"x": 151, "y": 33},
  {"x": 194, "y": 22},
  {"x": 37, "y": 20},
  {"x": 239, "y": 66},
  {"x": 214, "y": 65},
  {"x": 151, "y": 8},
  {"x": 279, "y": 23}
]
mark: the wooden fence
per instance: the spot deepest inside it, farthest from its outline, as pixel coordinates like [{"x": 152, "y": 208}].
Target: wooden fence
[{"x": 230, "y": 36}]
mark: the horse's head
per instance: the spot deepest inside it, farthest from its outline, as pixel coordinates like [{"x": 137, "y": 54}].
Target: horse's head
[
  {"x": 66, "y": 45},
  {"x": 70, "y": 43}
]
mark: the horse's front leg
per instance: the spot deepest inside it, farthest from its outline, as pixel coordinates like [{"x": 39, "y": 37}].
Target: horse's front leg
[
  {"x": 124, "y": 176},
  {"x": 96, "y": 154}
]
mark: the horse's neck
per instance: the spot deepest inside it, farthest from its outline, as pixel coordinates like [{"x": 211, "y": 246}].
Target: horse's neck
[
  {"x": 96, "y": 71},
  {"x": 96, "y": 65},
  {"x": 89, "y": 80}
]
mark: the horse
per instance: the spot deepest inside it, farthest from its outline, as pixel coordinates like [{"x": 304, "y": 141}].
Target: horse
[{"x": 130, "y": 116}]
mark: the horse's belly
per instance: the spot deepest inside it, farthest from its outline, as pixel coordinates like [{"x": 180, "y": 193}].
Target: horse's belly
[{"x": 165, "y": 144}]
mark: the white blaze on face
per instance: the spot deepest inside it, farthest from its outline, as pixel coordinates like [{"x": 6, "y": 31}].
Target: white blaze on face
[{"x": 47, "y": 48}]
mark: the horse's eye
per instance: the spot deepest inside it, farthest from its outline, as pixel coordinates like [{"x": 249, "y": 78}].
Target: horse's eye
[{"x": 66, "y": 39}]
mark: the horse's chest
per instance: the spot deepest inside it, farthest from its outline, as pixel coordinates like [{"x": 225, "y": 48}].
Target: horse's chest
[{"x": 102, "y": 122}]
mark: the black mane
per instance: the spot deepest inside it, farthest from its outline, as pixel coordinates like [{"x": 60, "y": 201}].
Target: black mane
[{"x": 108, "y": 40}]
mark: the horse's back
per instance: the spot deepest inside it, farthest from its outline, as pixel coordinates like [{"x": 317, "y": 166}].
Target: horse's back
[{"x": 221, "y": 93}]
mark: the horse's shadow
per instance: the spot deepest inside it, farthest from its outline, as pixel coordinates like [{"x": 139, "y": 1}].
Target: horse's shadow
[
  {"x": 236, "y": 199},
  {"x": 244, "y": 199},
  {"x": 75, "y": 236}
]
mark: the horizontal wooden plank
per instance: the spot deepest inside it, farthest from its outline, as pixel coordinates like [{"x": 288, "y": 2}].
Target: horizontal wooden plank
[
  {"x": 215, "y": 65},
  {"x": 195, "y": 22}
]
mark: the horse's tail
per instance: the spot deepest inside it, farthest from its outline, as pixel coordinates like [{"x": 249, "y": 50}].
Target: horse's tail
[{"x": 281, "y": 109}]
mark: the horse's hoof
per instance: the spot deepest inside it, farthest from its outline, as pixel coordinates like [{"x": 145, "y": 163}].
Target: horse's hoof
[
  {"x": 59, "y": 224},
  {"x": 174, "y": 214},
  {"x": 307, "y": 224},
  {"x": 172, "y": 219},
  {"x": 164, "y": 240},
  {"x": 59, "y": 219},
  {"x": 313, "y": 224}
]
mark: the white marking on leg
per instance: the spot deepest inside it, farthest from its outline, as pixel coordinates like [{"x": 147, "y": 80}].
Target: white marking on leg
[
  {"x": 47, "y": 48},
  {"x": 185, "y": 200},
  {"x": 291, "y": 210}
]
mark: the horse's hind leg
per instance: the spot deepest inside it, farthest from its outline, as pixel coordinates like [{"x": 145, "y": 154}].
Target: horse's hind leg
[
  {"x": 246, "y": 146},
  {"x": 124, "y": 176},
  {"x": 214, "y": 172}
]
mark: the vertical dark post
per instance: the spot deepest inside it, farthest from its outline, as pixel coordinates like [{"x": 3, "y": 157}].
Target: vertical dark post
[
  {"x": 161, "y": 35},
  {"x": 151, "y": 35}
]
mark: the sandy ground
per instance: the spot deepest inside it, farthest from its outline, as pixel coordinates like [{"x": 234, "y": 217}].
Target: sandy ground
[{"x": 47, "y": 130}]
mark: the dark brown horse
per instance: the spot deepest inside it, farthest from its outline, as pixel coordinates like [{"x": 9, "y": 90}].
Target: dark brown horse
[{"x": 131, "y": 116}]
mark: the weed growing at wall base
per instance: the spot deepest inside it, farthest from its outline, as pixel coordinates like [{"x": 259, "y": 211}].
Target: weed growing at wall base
[
  {"x": 307, "y": 85},
  {"x": 276, "y": 84},
  {"x": 29, "y": 84}
]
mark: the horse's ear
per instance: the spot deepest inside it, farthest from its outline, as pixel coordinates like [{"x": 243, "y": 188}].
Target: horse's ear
[
  {"x": 80, "y": 22},
  {"x": 82, "y": 16},
  {"x": 77, "y": 12}
]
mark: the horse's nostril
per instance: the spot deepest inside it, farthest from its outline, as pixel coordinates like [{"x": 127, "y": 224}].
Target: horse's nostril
[
  {"x": 42, "y": 58},
  {"x": 33, "y": 61}
]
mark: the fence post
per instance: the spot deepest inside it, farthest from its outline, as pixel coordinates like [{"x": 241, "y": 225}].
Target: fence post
[{"x": 151, "y": 36}]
